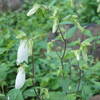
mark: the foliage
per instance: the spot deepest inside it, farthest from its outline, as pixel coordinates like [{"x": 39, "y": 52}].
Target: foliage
[{"x": 65, "y": 74}]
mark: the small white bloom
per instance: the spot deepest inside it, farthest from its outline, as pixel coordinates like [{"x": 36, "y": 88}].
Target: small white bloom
[
  {"x": 77, "y": 54},
  {"x": 22, "y": 54},
  {"x": 20, "y": 78}
]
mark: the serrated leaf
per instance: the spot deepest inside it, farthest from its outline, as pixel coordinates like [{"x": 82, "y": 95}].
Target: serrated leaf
[{"x": 15, "y": 94}]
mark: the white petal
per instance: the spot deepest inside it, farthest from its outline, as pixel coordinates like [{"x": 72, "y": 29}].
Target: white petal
[
  {"x": 22, "y": 54},
  {"x": 20, "y": 78}
]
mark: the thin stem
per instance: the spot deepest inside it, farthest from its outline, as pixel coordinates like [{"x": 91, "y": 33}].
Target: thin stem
[
  {"x": 33, "y": 71},
  {"x": 62, "y": 57},
  {"x": 38, "y": 96},
  {"x": 2, "y": 89},
  {"x": 64, "y": 42},
  {"x": 70, "y": 65},
  {"x": 80, "y": 78}
]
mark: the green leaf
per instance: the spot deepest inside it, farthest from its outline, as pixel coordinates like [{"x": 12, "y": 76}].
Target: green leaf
[
  {"x": 3, "y": 71},
  {"x": 97, "y": 85},
  {"x": 2, "y": 50},
  {"x": 52, "y": 3},
  {"x": 71, "y": 32},
  {"x": 15, "y": 94},
  {"x": 71, "y": 97},
  {"x": 87, "y": 32},
  {"x": 61, "y": 96},
  {"x": 57, "y": 96},
  {"x": 45, "y": 81},
  {"x": 2, "y": 97},
  {"x": 86, "y": 92},
  {"x": 29, "y": 93}
]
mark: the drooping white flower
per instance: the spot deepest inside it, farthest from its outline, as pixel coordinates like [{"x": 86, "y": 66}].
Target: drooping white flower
[
  {"x": 22, "y": 54},
  {"x": 20, "y": 78},
  {"x": 24, "y": 51}
]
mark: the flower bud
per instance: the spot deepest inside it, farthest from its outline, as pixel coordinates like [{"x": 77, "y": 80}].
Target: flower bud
[
  {"x": 55, "y": 25},
  {"x": 33, "y": 10}
]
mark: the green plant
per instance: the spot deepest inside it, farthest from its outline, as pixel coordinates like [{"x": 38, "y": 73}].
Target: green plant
[{"x": 51, "y": 74}]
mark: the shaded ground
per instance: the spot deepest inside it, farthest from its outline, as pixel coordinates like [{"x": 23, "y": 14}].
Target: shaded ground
[{"x": 97, "y": 97}]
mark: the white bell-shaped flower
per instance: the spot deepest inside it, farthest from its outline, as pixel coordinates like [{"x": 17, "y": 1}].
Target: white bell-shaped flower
[
  {"x": 20, "y": 78},
  {"x": 23, "y": 52}
]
